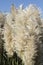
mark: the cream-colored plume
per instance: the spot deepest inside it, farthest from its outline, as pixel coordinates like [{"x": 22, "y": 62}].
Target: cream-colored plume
[
  {"x": 9, "y": 41},
  {"x": 20, "y": 34}
]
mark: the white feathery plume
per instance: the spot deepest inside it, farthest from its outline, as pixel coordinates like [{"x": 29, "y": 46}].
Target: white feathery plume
[
  {"x": 9, "y": 41},
  {"x": 20, "y": 36},
  {"x": 25, "y": 38}
]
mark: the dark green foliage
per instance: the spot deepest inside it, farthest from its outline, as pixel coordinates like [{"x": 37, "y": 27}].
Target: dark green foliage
[
  {"x": 39, "y": 58},
  {"x": 5, "y": 60}
]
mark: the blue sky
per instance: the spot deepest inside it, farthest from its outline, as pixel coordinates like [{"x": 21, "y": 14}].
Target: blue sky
[{"x": 6, "y": 4}]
